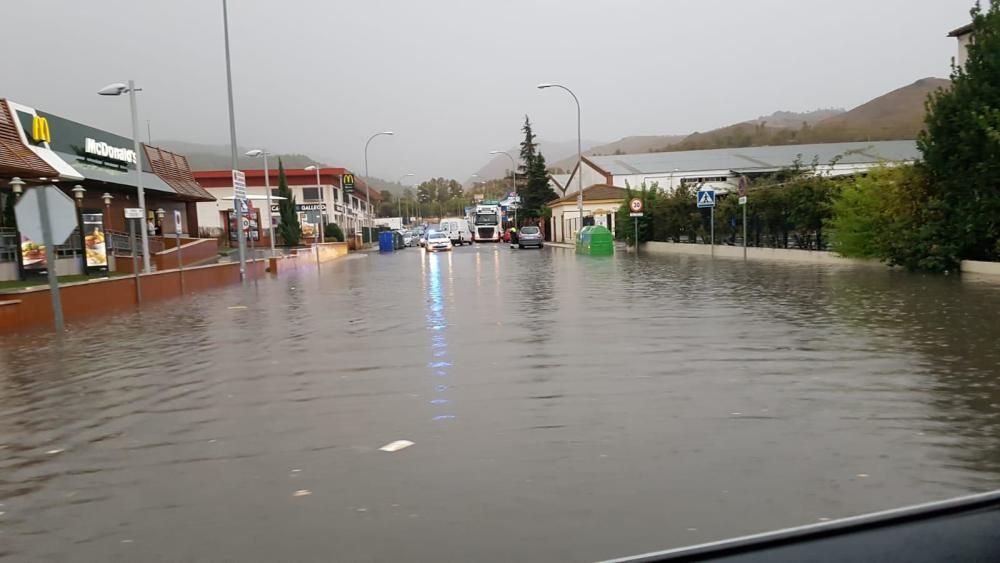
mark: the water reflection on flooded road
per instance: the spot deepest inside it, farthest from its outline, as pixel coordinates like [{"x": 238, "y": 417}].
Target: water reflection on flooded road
[{"x": 561, "y": 408}]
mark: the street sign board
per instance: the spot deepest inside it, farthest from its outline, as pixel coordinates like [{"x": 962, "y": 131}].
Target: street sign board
[
  {"x": 635, "y": 205},
  {"x": 177, "y": 221},
  {"x": 62, "y": 214},
  {"x": 743, "y": 200},
  {"x": 246, "y": 223},
  {"x": 347, "y": 182},
  {"x": 275, "y": 208},
  {"x": 239, "y": 185},
  {"x": 706, "y": 198},
  {"x": 133, "y": 213},
  {"x": 743, "y": 185},
  {"x": 635, "y": 214},
  {"x": 241, "y": 205}
]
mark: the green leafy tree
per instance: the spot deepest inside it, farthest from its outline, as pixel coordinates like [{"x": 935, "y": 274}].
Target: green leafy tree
[
  {"x": 289, "y": 228},
  {"x": 961, "y": 150},
  {"x": 455, "y": 190},
  {"x": 333, "y": 232},
  {"x": 861, "y": 224},
  {"x": 426, "y": 192}
]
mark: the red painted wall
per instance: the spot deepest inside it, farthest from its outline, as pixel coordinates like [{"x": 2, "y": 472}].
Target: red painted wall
[{"x": 82, "y": 300}]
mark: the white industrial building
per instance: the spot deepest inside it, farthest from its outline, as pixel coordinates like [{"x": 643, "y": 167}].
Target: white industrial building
[{"x": 720, "y": 169}]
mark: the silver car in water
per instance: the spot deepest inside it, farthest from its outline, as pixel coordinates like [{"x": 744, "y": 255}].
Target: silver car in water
[{"x": 529, "y": 236}]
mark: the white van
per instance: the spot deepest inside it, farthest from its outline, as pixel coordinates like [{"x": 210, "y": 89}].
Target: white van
[{"x": 457, "y": 229}]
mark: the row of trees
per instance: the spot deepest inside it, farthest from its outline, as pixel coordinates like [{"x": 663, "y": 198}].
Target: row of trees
[
  {"x": 438, "y": 197},
  {"x": 788, "y": 209},
  {"x": 946, "y": 208},
  {"x": 927, "y": 216}
]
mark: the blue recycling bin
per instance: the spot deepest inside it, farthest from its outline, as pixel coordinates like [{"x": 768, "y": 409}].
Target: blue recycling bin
[{"x": 385, "y": 242}]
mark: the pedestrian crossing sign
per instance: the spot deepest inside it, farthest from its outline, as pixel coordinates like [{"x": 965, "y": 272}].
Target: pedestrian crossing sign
[{"x": 706, "y": 198}]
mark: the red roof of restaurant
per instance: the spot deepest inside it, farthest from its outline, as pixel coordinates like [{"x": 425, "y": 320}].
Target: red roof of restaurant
[{"x": 295, "y": 177}]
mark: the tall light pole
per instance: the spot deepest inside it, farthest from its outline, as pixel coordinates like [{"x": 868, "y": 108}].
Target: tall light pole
[
  {"x": 399, "y": 200},
  {"x": 579, "y": 149},
  {"x": 118, "y": 89},
  {"x": 513, "y": 171},
  {"x": 368, "y": 195},
  {"x": 322, "y": 200},
  {"x": 234, "y": 161},
  {"x": 262, "y": 153}
]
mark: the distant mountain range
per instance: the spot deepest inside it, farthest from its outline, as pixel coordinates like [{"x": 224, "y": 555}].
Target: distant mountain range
[
  {"x": 217, "y": 157},
  {"x": 893, "y": 116}
]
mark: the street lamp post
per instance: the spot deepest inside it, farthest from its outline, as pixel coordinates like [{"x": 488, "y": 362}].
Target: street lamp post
[
  {"x": 262, "y": 153},
  {"x": 579, "y": 149},
  {"x": 513, "y": 172},
  {"x": 368, "y": 196},
  {"x": 118, "y": 89},
  {"x": 17, "y": 186},
  {"x": 322, "y": 200},
  {"x": 234, "y": 161},
  {"x": 399, "y": 200},
  {"x": 78, "y": 192}
]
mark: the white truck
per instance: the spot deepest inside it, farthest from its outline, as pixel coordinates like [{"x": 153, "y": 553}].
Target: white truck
[
  {"x": 457, "y": 229},
  {"x": 486, "y": 222}
]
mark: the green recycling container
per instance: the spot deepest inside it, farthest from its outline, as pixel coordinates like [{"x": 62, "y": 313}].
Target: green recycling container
[{"x": 595, "y": 241}]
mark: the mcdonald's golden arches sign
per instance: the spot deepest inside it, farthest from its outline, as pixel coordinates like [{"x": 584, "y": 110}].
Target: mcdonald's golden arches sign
[
  {"x": 40, "y": 130},
  {"x": 347, "y": 182}
]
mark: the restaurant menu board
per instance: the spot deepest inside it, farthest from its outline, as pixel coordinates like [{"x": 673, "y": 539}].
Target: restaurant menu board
[
  {"x": 97, "y": 250},
  {"x": 253, "y": 233},
  {"x": 32, "y": 254}
]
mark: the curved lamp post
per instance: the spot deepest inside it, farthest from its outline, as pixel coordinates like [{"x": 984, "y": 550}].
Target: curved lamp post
[
  {"x": 513, "y": 171},
  {"x": 262, "y": 153},
  {"x": 117, "y": 89},
  {"x": 322, "y": 200},
  {"x": 368, "y": 197},
  {"x": 579, "y": 149},
  {"x": 399, "y": 200}
]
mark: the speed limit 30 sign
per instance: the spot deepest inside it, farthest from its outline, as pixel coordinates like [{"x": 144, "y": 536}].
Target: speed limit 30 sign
[{"x": 635, "y": 207}]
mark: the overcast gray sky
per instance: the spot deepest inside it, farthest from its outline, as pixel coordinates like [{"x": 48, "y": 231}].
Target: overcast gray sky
[{"x": 454, "y": 78}]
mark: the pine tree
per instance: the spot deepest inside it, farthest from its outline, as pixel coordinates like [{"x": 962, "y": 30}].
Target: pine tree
[
  {"x": 529, "y": 148},
  {"x": 961, "y": 151},
  {"x": 535, "y": 191},
  {"x": 289, "y": 228}
]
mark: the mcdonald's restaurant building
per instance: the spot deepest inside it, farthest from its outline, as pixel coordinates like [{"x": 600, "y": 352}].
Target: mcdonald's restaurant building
[
  {"x": 339, "y": 196},
  {"x": 42, "y": 148}
]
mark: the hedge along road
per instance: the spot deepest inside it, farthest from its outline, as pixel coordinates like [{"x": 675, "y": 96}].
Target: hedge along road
[{"x": 559, "y": 408}]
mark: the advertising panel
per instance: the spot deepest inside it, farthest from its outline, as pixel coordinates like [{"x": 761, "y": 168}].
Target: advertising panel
[
  {"x": 94, "y": 240},
  {"x": 253, "y": 232},
  {"x": 32, "y": 254}
]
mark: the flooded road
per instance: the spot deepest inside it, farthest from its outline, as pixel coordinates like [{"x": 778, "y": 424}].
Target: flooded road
[{"x": 561, "y": 409}]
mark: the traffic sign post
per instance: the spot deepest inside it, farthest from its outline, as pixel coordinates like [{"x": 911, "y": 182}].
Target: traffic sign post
[
  {"x": 133, "y": 214},
  {"x": 635, "y": 207},
  {"x": 240, "y": 195},
  {"x": 46, "y": 213},
  {"x": 180, "y": 262},
  {"x": 743, "y": 202},
  {"x": 706, "y": 198}
]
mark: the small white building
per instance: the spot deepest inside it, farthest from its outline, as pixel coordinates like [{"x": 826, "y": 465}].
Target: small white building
[
  {"x": 600, "y": 202},
  {"x": 964, "y": 36},
  {"x": 721, "y": 168}
]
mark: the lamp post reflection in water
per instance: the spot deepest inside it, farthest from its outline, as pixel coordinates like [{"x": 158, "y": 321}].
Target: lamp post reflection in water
[{"x": 437, "y": 324}]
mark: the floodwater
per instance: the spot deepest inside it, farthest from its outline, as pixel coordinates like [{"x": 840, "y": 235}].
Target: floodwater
[{"x": 561, "y": 408}]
